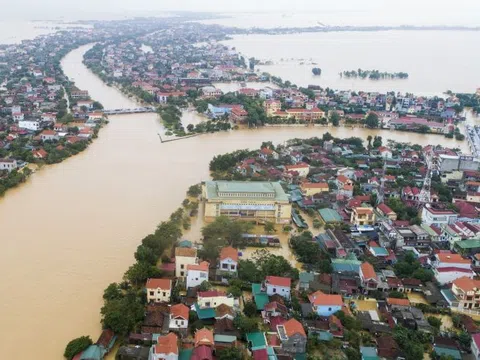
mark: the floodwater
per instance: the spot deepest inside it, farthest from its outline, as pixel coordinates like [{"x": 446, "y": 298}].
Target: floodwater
[
  {"x": 432, "y": 70},
  {"x": 73, "y": 227}
]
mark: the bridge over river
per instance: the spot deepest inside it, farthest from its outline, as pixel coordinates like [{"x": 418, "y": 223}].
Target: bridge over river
[{"x": 140, "y": 110}]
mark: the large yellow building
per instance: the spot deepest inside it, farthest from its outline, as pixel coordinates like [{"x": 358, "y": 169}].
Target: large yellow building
[{"x": 258, "y": 201}]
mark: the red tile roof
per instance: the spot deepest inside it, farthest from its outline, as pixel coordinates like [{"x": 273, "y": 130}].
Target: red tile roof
[
  {"x": 294, "y": 326},
  {"x": 279, "y": 281},
  {"x": 164, "y": 284},
  {"x": 204, "y": 337},
  {"x": 309, "y": 185},
  {"x": 398, "y": 302},
  {"x": 452, "y": 258},
  {"x": 229, "y": 252},
  {"x": 368, "y": 271},
  {"x": 467, "y": 284},
  {"x": 167, "y": 344},
  {"x": 384, "y": 208},
  {"x": 210, "y": 293},
  {"x": 319, "y": 298},
  {"x": 180, "y": 310},
  {"x": 203, "y": 266}
]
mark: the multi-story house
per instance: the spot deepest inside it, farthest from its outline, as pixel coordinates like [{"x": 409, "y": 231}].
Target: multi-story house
[
  {"x": 362, "y": 216},
  {"x": 197, "y": 273},
  {"x": 229, "y": 260},
  {"x": 8, "y": 164},
  {"x": 448, "y": 267},
  {"x": 368, "y": 277},
  {"x": 464, "y": 294},
  {"x": 179, "y": 318},
  {"x": 476, "y": 346},
  {"x": 166, "y": 348},
  {"x": 159, "y": 290},
  {"x": 184, "y": 256},
  {"x": 438, "y": 217},
  {"x": 293, "y": 337},
  {"x": 278, "y": 285}
]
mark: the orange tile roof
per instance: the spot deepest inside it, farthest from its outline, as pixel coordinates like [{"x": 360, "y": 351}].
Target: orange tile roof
[
  {"x": 398, "y": 302},
  {"x": 348, "y": 187},
  {"x": 360, "y": 210},
  {"x": 164, "y": 284},
  {"x": 279, "y": 281},
  {"x": 203, "y": 266},
  {"x": 467, "y": 284},
  {"x": 167, "y": 344},
  {"x": 294, "y": 326},
  {"x": 368, "y": 271},
  {"x": 180, "y": 310},
  {"x": 229, "y": 252},
  {"x": 342, "y": 178},
  {"x": 452, "y": 258},
  {"x": 301, "y": 165},
  {"x": 203, "y": 337},
  {"x": 319, "y": 298},
  {"x": 185, "y": 251}
]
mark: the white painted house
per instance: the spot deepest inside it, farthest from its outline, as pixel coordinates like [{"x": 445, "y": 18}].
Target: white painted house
[
  {"x": 197, "y": 273},
  {"x": 437, "y": 217},
  {"x": 229, "y": 259},
  {"x": 278, "y": 285},
  {"x": 8, "y": 164},
  {"x": 33, "y": 125},
  {"x": 179, "y": 317},
  {"x": 213, "y": 298},
  {"x": 166, "y": 348}
]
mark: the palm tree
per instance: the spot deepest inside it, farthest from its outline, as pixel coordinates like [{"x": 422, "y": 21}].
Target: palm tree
[{"x": 369, "y": 139}]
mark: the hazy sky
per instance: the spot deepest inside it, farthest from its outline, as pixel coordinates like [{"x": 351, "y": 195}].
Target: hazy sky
[{"x": 48, "y": 9}]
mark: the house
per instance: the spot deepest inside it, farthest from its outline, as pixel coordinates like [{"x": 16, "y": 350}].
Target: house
[
  {"x": 197, "y": 274},
  {"x": 33, "y": 125},
  {"x": 184, "y": 256},
  {"x": 310, "y": 189},
  {"x": 464, "y": 294},
  {"x": 213, "y": 298},
  {"x": 278, "y": 285},
  {"x": 39, "y": 154},
  {"x": 85, "y": 103},
  {"x": 293, "y": 337},
  {"x": 475, "y": 346},
  {"x": 159, "y": 290},
  {"x": 325, "y": 304},
  {"x": 368, "y": 277},
  {"x": 448, "y": 266},
  {"x": 204, "y": 337},
  {"x": 166, "y": 348},
  {"x": 341, "y": 181},
  {"x": 398, "y": 304},
  {"x": 229, "y": 260},
  {"x": 361, "y": 216},
  {"x": 438, "y": 217},
  {"x": 302, "y": 169},
  {"x": 384, "y": 210},
  {"x": 179, "y": 318},
  {"x": 49, "y": 135},
  {"x": 8, "y": 164},
  {"x": 385, "y": 152}
]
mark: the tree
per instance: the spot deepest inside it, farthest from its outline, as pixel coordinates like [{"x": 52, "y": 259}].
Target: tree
[
  {"x": 76, "y": 346},
  {"x": 124, "y": 314},
  {"x": 377, "y": 141},
  {"x": 250, "y": 309},
  {"x": 247, "y": 271},
  {"x": 194, "y": 190},
  {"x": 316, "y": 71},
  {"x": 235, "y": 291},
  {"x": 269, "y": 227},
  {"x": 231, "y": 353},
  {"x": 245, "y": 324},
  {"x": 434, "y": 322},
  {"x": 205, "y": 286},
  {"x": 145, "y": 254},
  {"x": 372, "y": 120},
  {"x": 138, "y": 273},
  {"x": 112, "y": 292},
  {"x": 334, "y": 118},
  {"x": 465, "y": 339}
]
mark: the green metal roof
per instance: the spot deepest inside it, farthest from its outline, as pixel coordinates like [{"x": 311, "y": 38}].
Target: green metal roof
[
  {"x": 247, "y": 187},
  {"x": 330, "y": 215},
  {"x": 468, "y": 244},
  {"x": 258, "y": 340},
  {"x": 185, "y": 354},
  {"x": 454, "y": 353},
  {"x": 260, "y": 297},
  {"x": 208, "y": 313},
  {"x": 224, "y": 338},
  {"x": 93, "y": 352},
  {"x": 342, "y": 265},
  {"x": 369, "y": 353}
]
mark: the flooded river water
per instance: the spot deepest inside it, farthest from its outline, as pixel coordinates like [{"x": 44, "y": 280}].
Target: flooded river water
[{"x": 73, "y": 227}]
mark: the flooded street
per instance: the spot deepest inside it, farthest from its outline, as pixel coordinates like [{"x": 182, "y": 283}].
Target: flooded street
[{"x": 73, "y": 227}]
